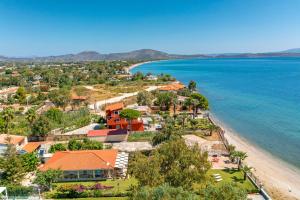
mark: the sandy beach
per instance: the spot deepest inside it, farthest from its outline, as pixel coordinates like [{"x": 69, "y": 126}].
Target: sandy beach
[
  {"x": 281, "y": 180},
  {"x": 136, "y": 65}
]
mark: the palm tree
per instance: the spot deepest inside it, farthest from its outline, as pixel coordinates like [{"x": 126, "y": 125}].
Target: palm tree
[
  {"x": 7, "y": 115},
  {"x": 240, "y": 156},
  {"x": 246, "y": 169},
  {"x": 174, "y": 103},
  {"x": 31, "y": 116},
  {"x": 194, "y": 103}
]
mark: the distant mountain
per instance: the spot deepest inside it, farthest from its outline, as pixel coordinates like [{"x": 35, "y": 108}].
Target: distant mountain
[
  {"x": 296, "y": 50},
  {"x": 146, "y": 54}
]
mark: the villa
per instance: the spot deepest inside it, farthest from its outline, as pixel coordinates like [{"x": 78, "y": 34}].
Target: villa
[
  {"x": 87, "y": 165},
  {"x": 18, "y": 141},
  {"x": 114, "y": 121}
]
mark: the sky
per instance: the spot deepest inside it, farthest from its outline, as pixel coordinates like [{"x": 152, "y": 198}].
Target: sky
[{"x": 55, "y": 27}]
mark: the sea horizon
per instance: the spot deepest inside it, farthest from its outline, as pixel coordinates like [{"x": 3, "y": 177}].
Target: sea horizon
[{"x": 255, "y": 97}]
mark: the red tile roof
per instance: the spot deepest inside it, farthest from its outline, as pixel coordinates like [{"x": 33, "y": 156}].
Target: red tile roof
[
  {"x": 75, "y": 97},
  {"x": 14, "y": 139},
  {"x": 105, "y": 132},
  {"x": 32, "y": 146},
  {"x": 115, "y": 106},
  {"x": 82, "y": 160}
]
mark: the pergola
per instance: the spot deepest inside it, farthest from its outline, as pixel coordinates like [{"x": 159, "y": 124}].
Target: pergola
[{"x": 3, "y": 190}]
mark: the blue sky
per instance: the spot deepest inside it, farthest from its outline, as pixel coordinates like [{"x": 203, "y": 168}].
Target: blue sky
[{"x": 53, "y": 27}]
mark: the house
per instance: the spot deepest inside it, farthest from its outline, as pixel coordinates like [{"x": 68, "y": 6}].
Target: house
[
  {"x": 172, "y": 87},
  {"x": 18, "y": 141},
  {"x": 32, "y": 147},
  {"x": 108, "y": 135},
  {"x": 151, "y": 77},
  {"x": 4, "y": 93},
  {"x": 87, "y": 165},
  {"x": 114, "y": 121}
]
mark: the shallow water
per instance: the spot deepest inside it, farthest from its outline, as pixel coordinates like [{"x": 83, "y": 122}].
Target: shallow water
[{"x": 258, "y": 98}]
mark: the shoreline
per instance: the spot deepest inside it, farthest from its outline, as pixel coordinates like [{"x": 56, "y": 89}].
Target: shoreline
[{"x": 281, "y": 179}]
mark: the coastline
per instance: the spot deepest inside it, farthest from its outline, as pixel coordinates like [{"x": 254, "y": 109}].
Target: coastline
[{"x": 281, "y": 179}]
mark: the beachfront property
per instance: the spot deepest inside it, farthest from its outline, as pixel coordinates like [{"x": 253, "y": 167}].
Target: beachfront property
[
  {"x": 87, "y": 165},
  {"x": 114, "y": 121},
  {"x": 108, "y": 135},
  {"x": 18, "y": 141}
]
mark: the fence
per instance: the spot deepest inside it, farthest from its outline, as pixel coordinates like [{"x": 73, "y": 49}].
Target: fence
[{"x": 250, "y": 175}]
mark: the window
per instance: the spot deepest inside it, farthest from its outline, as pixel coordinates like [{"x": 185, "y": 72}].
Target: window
[
  {"x": 70, "y": 174},
  {"x": 117, "y": 120},
  {"x": 116, "y": 112},
  {"x": 99, "y": 174},
  {"x": 86, "y": 174}
]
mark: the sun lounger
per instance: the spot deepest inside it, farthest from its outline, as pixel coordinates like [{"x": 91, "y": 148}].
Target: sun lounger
[
  {"x": 216, "y": 175},
  {"x": 218, "y": 180}
]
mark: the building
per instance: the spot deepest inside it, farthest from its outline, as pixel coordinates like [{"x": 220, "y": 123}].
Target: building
[
  {"x": 18, "y": 141},
  {"x": 87, "y": 165},
  {"x": 151, "y": 77},
  {"x": 114, "y": 121},
  {"x": 108, "y": 135},
  {"x": 4, "y": 93},
  {"x": 32, "y": 147}
]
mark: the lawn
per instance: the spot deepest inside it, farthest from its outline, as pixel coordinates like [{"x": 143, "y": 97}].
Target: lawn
[
  {"x": 100, "y": 198},
  {"x": 119, "y": 185},
  {"x": 141, "y": 136},
  {"x": 234, "y": 176}
]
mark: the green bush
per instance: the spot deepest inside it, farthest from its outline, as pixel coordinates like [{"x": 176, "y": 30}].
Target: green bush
[{"x": 18, "y": 190}]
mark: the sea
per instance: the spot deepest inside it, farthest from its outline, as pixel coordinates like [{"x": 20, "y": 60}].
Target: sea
[{"x": 258, "y": 98}]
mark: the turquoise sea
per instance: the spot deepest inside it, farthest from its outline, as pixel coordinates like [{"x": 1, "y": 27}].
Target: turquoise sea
[{"x": 259, "y": 98}]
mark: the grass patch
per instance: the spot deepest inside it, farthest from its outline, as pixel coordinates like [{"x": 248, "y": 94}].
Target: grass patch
[
  {"x": 233, "y": 176},
  {"x": 100, "y": 198},
  {"x": 119, "y": 185},
  {"x": 141, "y": 136}
]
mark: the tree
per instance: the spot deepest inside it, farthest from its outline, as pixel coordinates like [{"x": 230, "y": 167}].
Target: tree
[
  {"x": 57, "y": 147},
  {"x": 192, "y": 86},
  {"x": 7, "y": 115},
  {"x": 41, "y": 127},
  {"x": 225, "y": 191},
  {"x": 240, "y": 156},
  {"x": 174, "y": 101},
  {"x": 45, "y": 179},
  {"x": 162, "y": 192},
  {"x": 168, "y": 132},
  {"x": 202, "y": 101},
  {"x": 182, "y": 118},
  {"x": 12, "y": 171},
  {"x": 2, "y": 125},
  {"x": 31, "y": 116},
  {"x": 74, "y": 145},
  {"x": 30, "y": 161},
  {"x": 60, "y": 98},
  {"x": 163, "y": 100},
  {"x": 55, "y": 115},
  {"x": 130, "y": 114},
  {"x": 144, "y": 98},
  {"x": 143, "y": 167},
  {"x": 21, "y": 94},
  {"x": 246, "y": 169},
  {"x": 174, "y": 163}
]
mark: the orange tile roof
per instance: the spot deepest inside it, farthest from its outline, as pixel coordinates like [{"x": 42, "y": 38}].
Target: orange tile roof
[
  {"x": 14, "y": 139},
  {"x": 172, "y": 87},
  {"x": 32, "y": 146},
  {"x": 82, "y": 160},
  {"x": 76, "y": 97},
  {"x": 114, "y": 106}
]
